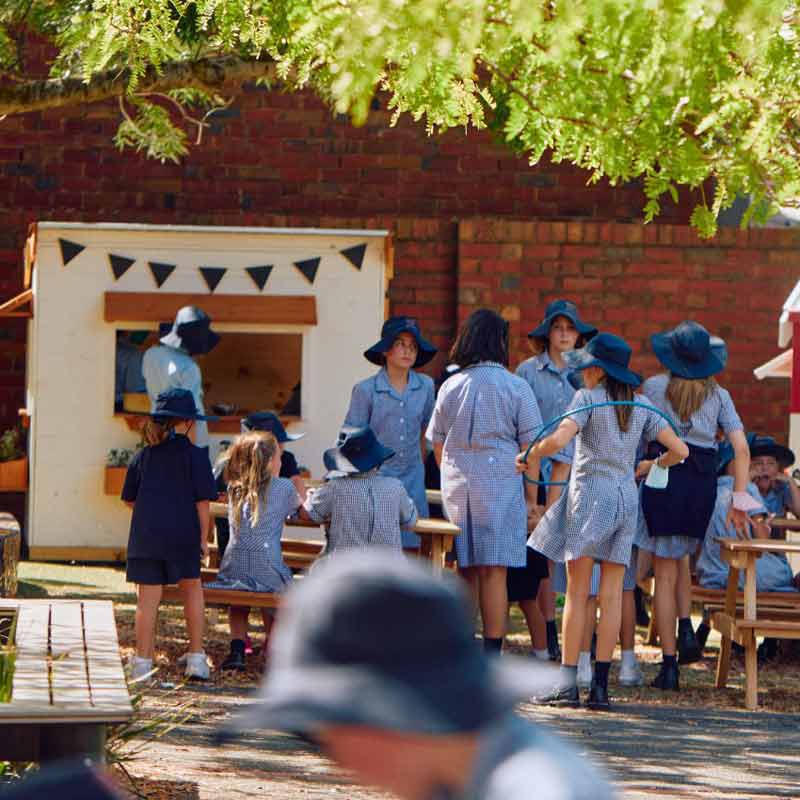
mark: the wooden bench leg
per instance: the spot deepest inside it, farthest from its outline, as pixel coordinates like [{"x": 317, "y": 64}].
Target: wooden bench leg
[
  {"x": 724, "y": 660},
  {"x": 750, "y": 672}
]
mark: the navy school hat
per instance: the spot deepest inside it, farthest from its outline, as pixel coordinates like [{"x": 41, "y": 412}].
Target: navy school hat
[
  {"x": 357, "y": 450},
  {"x": 689, "y": 351},
  {"x": 381, "y": 642},
  {"x": 767, "y": 446},
  {"x": 608, "y": 352},
  {"x": 177, "y": 404},
  {"x": 270, "y": 422},
  {"x": 391, "y": 329},
  {"x": 562, "y": 308},
  {"x": 191, "y": 332}
]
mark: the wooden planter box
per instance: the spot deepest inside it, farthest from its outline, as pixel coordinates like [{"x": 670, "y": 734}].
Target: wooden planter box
[
  {"x": 14, "y": 475},
  {"x": 115, "y": 478}
]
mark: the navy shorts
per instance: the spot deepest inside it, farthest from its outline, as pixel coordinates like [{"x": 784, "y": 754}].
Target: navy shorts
[{"x": 157, "y": 572}]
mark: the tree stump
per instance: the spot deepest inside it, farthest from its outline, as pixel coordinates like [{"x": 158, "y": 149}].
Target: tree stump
[{"x": 10, "y": 543}]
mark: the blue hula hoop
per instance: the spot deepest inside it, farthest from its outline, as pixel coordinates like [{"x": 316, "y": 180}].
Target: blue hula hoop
[{"x": 553, "y": 422}]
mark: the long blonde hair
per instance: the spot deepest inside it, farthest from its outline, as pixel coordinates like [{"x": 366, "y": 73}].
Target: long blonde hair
[
  {"x": 248, "y": 472},
  {"x": 154, "y": 432},
  {"x": 687, "y": 395}
]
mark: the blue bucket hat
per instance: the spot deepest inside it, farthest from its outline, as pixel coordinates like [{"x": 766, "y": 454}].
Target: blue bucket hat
[
  {"x": 767, "y": 446},
  {"x": 562, "y": 308},
  {"x": 177, "y": 404},
  {"x": 357, "y": 450},
  {"x": 267, "y": 421},
  {"x": 608, "y": 352},
  {"x": 191, "y": 332},
  {"x": 391, "y": 329},
  {"x": 689, "y": 351}
]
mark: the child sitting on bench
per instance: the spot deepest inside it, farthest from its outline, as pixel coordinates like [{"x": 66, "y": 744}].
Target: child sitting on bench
[{"x": 258, "y": 503}]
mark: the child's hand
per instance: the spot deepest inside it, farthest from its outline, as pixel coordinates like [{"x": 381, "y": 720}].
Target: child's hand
[
  {"x": 521, "y": 463},
  {"x": 643, "y": 469},
  {"x": 535, "y": 514}
]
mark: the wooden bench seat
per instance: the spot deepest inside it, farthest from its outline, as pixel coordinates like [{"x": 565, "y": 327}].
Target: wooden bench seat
[{"x": 225, "y": 597}]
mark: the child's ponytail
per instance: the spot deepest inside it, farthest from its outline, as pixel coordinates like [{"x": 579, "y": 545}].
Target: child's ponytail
[
  {"x": 619, "y": 391},
  {"x": 248, "y": 472},
  {"x": 157, "y": 431}
]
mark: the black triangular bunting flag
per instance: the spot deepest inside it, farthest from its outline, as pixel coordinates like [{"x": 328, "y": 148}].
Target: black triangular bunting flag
[
  {"x": 120, "y": 265},
  {"x": 355, "y": 254},
  {"x": 212, "y": 276},
  {"x": 69, "y": 250},
  {"x": 160, "y": 272},
  {"x": 309, "y": 268},
  {"x": 260, "y": 275}
]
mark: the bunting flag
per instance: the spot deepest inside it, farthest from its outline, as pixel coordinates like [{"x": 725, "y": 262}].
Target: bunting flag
[
  {"x": 355, "y": 254},
  {"x": 260, "y": 275},
  {"x": 308, "y": 268},
  {"x": 212, "y": 276},
  {"x": 120, "y": 265},
  {"x": 160, "y": 272},
  {"x": 69, "y": 250}
]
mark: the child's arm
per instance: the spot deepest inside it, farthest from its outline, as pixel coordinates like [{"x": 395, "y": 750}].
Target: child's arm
[
  {"x": 318, "y": 505},
  {"x": 204, "y": 516},
  {"x": 408, "y": 511},
  {"x": 299, "y": 486},
  {"x": 782, "y": 479},
  {"x": 549, "y": 446}
]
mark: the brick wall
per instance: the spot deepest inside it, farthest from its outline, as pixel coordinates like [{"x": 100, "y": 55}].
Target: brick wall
[{"x": 633, "y": 280}]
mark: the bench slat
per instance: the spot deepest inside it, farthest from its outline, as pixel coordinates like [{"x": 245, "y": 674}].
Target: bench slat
[
  {"x": 69, "y": 680},
  {"x": 31, "y": 686}
]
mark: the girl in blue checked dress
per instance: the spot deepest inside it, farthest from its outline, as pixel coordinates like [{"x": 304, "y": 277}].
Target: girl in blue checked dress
[
  {"x": 596, "y": 518},
  {"x": 397, "y": 403},
  {"x": 258, "y": 503},
  {"x": 483, "y": 416}
]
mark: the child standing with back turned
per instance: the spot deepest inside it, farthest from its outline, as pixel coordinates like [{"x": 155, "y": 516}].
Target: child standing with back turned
[{"x": 169, "y": 485}]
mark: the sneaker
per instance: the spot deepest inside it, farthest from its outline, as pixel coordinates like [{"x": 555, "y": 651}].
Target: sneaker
[
  {"x": 630, "y": 675},
  {"x": 584, "y": 674},
  {"x": 560, "y": 698},
  {"x": 140, "y": 667},
  {"x": 197, "y": 667}
]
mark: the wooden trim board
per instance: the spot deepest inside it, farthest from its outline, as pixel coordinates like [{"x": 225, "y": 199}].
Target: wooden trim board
[
  {"x": 268, "y": 309},
  {"x": 77, "y": 553}
]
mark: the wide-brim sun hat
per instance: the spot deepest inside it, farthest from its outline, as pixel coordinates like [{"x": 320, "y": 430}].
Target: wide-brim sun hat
[
  {"x": 357, "y": 450},
  {"x": 391, "y": 329},
  {"x": 271, "y": 423},
  {"x": 175, "y": 404},
  {"x": 191, "y": 331},
  {"x": 376, "y": 641},
  {"x": 608, "y": 352},
  {"x": 689, "y": 351},
  {"x": 562, "y": 308},
  {"x": 767, "y": 446}
]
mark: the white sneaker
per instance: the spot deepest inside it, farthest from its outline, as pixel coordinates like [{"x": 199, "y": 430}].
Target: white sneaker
[
  {"x": 584, "y": 673},
  {"x": 630, "y": 675},
  {"x": 197, "y": 667},
  {"x": 140, "y": 667}
]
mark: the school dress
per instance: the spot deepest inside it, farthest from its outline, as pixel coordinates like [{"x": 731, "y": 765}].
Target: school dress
[
  {"x": 365, "y": 509},
  {"x": 165, "y": 482},
  {"x": 253, "y": 560},
  {"x": 484, "y": 415},
  {"x": 773, "y": 573},
  {"x": 777, "y": 499},
  {"x": 597, "y": 515},
  {"x": 675, "y": 519},
  {"x": 398, "y": 420}
]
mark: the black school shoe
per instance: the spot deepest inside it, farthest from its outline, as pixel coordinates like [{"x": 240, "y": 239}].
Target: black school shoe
[
  {"x": 235, "y": 659},
  {"x": 667, "y": 677},
  {"x": 701, "y": 634},
  {"x": 689, "y": 649},
  {"x": 598, "y": 698},
  {"x": 553, "y": 649},
  {"x": 560, "y": 698}
]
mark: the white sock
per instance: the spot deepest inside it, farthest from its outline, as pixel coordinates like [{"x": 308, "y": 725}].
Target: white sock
[
  {"x": 584, "y": 660},
  {"x": 542, "y": 655},
  {"x": 628, "y": 658}
]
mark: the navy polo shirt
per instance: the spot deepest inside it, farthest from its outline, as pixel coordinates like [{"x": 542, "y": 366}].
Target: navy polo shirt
[{"x": 165, "y": 482}]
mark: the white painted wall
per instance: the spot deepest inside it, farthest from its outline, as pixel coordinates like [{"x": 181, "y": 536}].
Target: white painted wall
[{"x": 71, "y": 350}]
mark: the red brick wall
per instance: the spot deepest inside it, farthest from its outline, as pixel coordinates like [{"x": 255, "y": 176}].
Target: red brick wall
[{"x": 634, "y": 280}]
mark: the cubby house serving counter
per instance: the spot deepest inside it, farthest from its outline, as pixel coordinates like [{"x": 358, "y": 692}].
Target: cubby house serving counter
[{"x": 295, "y": 307}]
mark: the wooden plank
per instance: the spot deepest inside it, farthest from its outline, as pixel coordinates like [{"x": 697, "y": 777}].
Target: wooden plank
[
  {"x": 750, "y": 671},
  {"x": 110, "y": 554},
  {"x": 11, "y": 308},
  {"x": 781, "y": 628},
  {"x": 227, "y": 597},
  {"x": 247, "y": 309},
  {"x": 757, "y": 546},
  {"x": 750, "y": 587},
  {"x": 31, "y": 686},
  {"x": 30, "y": 255},
  {"x": 70, "y": 684},
  {"x": 775, "y": 599}
]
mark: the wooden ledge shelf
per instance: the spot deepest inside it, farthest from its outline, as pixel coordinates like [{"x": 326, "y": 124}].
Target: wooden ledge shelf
[{"x": 232, "y": 424}]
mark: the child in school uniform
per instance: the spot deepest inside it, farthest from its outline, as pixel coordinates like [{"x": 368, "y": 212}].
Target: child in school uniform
[
  {"x": 362, "y": 506},
  {"x": 768, "y": 463},
  {"x": 675, "y": 518},
  {"x": 561, "y": 330},
  {"x": 168, "y": 485},
  {"x": 259, "y": 501},
  {"x": 596, "y": 518},
  {"x": 397, "y": 403}
]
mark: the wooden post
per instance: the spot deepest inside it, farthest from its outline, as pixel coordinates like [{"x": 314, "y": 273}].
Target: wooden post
[
  {"x": 724, "y": 659},
  {"x": 750, "y": 654},
  {"x": 10, "y": 543},
  {"x": 794, "y": 402}
]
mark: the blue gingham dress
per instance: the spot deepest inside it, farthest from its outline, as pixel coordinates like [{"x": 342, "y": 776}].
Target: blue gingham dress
[
  {"x": 484, "y": 415},
  {"x": 363, "y": 510},
  {"x": 253, "y": 560},
  {"x": 700, "y": 430},
  {"x": 398, "y": 420},
  {"x": 597, "y": 515}
]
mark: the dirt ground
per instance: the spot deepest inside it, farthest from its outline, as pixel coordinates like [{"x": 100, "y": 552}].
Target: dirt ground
[{"x": 697, "y": 743}]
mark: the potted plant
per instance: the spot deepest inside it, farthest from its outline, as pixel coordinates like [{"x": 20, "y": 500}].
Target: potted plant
[
  {"x": 13, "y": 462},
  {"x": 116, "y": 466}
]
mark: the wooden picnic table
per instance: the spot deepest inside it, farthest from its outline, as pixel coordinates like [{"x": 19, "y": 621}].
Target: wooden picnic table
[
  {"x": 743, "y": 628},
  {"x": 784, "y": 523},
  {"x": 68, "y": 683}
]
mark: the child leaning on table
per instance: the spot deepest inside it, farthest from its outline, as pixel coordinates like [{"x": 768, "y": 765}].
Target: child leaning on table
[
  {"x": 258, "y": 503},
  {"x": 169, "y": 485}
]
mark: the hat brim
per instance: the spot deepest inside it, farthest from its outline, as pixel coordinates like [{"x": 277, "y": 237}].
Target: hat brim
[
  {"x": 582, "y": 359},
  {"x": 783, "y": 455},
  {"x": 282, "y": 439},
  {"x": 303, "y": 700},
  {"x": 201, "y": 347},
  {"x": 172, "y": 415},
  {"x": 714, "y": 362},
  {"x": 543, "y": 329},
  {"x": 425, "y": 350},
  {"x": 335, "y": 461}
]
